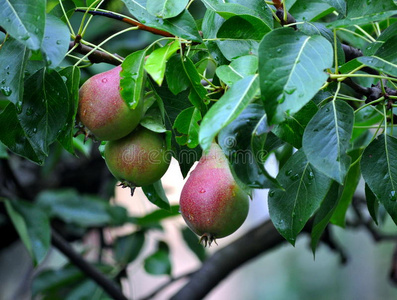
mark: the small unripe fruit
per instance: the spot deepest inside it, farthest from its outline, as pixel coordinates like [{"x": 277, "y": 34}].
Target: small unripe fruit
[
  {"x": 103, "y": 111},
  {"x": 141, "y": 158},
  {"x": 212, "y": 203}
]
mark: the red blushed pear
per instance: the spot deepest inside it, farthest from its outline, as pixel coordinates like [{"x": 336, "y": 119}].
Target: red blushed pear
[
  {"x": 141, "y": 158},
  {"x": 102, "y": 110},
  {"x": 212, "y": 203}
]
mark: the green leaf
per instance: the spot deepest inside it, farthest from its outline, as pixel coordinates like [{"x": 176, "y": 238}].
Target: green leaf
[
  {"x": 372, "y": 204},
  {"x": 227, "y": 108},
  {"x": 159, "y": 262},
  {"x": 365, "y": 117},
  {"x": 128, "y": 247},
  {"x": 24, "y": 21},
  {"x": 380, "y": 171},
  {"x": 155, "y": 193},
  {"x": 211, "y": 23},
  {"x": 82, "y": 210},
  {"x": 15, "y": 138},
  {"x": 304, "y": 189},
  {"x": 173, "y": 106},
  {"x": 387, "y": 50},
  {"x": 320, "y": 29},
  {"x": 187, "y": 124},
  {"x": 13, "y": 58},
  {"x": 3, "y": 151},
  {"x": 156, "y": 62},
  {"x": 389, "y": 33},
  {"x": 310, "y": 10},
  {"x": 192, "y": 241},
  {"x": 71, "y": 75},
  {"x": 153, "y": 120},
  {"x": 56, "y": 41},
  {"x": 166, "y": 8},
  {"x": 243, "y": 28},
  {"x": 361, "y": 12},
  {"x": 132, "y": 78},
  {"x": 33, "y": 227},
  {"x": 326, "y": 139},
  {"x": 349, "y": 188},
  {"x": 183, "y": 25},
  {"x": 51, "y": 280},
  {"x": 379, "y": 64},
  {"x": 86, "y": 289},
  {"x": 177, "y": 81},
  {"x": 291, "y": 70},
  {"x": 339, "y": 5},
  {"x": 238, "y": 69},
  {"x": 242, "y": 142},
  {"x": 254, "y": 8},
  {"x": 45, "y": 109},
  {"x": 291, "y": 130},
  {"x": 198, "y": 94},
  {"x": 324, "y": 214}
]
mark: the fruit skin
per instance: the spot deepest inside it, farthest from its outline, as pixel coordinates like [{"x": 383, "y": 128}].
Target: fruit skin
[
  {"x": 103, "y": 111},
  {"x": 211, "y": 203},
  {"x": 141, "y": 158}
]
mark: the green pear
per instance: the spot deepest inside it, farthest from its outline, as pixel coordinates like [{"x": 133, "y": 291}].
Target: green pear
[{"x": 141, "y": 158}]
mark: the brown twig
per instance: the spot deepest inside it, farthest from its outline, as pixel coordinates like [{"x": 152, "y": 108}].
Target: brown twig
[
  {"x": 128, "y": 21},
  {"x": 96, "y": 56}
]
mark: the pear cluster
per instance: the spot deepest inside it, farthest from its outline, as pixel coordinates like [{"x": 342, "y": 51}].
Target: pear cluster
[
  {"x": 212, "y": 203},
  {"x": 135, "y": 155}
]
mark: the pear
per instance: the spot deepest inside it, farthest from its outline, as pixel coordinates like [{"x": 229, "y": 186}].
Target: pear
[
  {"x": 139, "y": 159},
  {"x": 212, "y": 203},
  {"x": 102, "y": 110}
]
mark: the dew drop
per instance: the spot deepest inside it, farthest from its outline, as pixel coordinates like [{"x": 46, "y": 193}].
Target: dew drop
[
  {"x": 271, "y": 193},
  {"x": 29, "y": 111},
  {"x": 315, "y": 130},
  {"x": 310, "y": 175},
  {"x": 295, "y": 177},
  {"x": 24, "y": 37},
  {"x": 281, "y": 98},
  {"x": 18, "y": 107},
  {"x": 58, "y": 42},
  {"x": 393, "y": 196},
  {"x": 202, "y": 191},
  {"x": 279, "y": 50},
  {"x": 34, "y": 130},
  {"x": 6, "y": 91},
  {"x": 288, "y": 173},
  {"x": 291, "y": 90}
]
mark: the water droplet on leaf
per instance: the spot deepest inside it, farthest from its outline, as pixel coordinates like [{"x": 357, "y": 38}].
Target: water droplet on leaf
[
  {"x": 6, "y": 91},
  {"x": 393, "y": 196}
]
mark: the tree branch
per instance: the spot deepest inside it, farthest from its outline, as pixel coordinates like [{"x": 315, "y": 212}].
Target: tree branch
[
  {"x": 96, "y": 56},
  {"x": 108, "y": 285},
  {"x": 128, "y": 21},
  {"x": 226, "y": 260}
]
